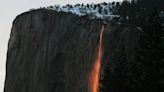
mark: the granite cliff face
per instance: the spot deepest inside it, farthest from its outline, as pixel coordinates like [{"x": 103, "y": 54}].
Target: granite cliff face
[
  {"x": 51, "y": 52},
  {"x": 54, "y": 52}
]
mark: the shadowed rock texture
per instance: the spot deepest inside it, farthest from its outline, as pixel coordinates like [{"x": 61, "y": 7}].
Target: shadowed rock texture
[
  {"x": 54, "y": 52},
  {"x": 51, "y": 52}
]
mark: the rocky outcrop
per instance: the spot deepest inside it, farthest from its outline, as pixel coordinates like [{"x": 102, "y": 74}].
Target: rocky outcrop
[{"x": 54, "y": 52}]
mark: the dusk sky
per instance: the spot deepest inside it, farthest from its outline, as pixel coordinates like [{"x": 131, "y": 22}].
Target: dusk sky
[{"x": 9, "y": 9}]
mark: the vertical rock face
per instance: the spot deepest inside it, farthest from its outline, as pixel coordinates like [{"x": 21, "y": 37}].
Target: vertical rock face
[
  {"x": 50, "y": 52},
  {"x": 55, "y": 52},
  {"x": 122, "y": 72},
  {"x": 127, "y": 66}
]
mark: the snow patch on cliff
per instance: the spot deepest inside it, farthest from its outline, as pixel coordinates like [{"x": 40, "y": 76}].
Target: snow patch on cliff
[{"x": 94, "y": 11}]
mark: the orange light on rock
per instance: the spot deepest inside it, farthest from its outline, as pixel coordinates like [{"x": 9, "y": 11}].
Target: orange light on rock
[{"x": 95, "y": 72}]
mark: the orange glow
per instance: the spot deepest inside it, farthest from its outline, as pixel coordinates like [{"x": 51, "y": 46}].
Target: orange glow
[{"x": 95, "y": 72}]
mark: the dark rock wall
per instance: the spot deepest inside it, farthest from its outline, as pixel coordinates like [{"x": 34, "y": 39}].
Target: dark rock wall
[
  {"x": 51, "y": 52},
  {"x": 127, "y": 61},
  {"x": 54, "y": 52},
  {"x": 122, "y": 72}
]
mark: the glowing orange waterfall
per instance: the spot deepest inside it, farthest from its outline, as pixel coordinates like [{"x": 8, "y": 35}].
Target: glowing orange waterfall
[{"x": 95, "y": 72}]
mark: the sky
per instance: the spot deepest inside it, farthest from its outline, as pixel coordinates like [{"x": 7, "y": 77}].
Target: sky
[{"x": 9, "y": 9}]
